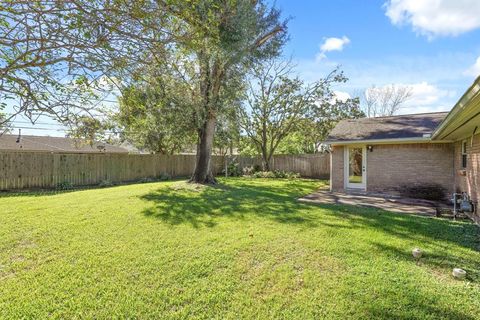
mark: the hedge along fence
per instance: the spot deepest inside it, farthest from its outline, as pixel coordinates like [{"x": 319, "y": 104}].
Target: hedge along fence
[{"x": 28, "y": 170}]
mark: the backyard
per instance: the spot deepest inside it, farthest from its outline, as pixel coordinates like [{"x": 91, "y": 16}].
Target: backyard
[{"x": 243, "y": 249}]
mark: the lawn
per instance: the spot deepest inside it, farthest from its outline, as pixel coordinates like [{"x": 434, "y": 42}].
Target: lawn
[{"x": 245, "y": 249}]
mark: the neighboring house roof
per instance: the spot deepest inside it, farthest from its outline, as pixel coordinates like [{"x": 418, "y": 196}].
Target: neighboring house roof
[
  {"x": 55, "y": 144},
  {"x": 464, "y": 119},
  {"x": 402, "y": 127}
]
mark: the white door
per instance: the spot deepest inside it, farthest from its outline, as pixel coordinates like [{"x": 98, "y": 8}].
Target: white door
[{"x": 355, "y": 167}]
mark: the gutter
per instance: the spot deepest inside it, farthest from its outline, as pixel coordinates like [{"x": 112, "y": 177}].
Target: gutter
[
  {"x": 385, "y": 141},
  {"x": 459, "y": 107}
]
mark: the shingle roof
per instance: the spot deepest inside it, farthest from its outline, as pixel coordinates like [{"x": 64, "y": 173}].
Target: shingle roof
[
  {"x": 394, "y": 127},
  {"x": 55, "y": 144}
]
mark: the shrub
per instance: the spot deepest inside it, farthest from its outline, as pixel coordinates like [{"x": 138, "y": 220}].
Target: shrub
[
  {"x": 65, "y": 185},
  {"x": 105, "y": 183},
  {"x": 250, "y": 170},
  {"x": 264, "y": 174},
  {"x": 430, "y": 191},
  {"x": 233, "y": 170},
  {"x": 292, "y": 175},
  {"x": 278, "y": 174},
  {"x": 147, "y": 180},
  {"x": 164, "y": 176}
]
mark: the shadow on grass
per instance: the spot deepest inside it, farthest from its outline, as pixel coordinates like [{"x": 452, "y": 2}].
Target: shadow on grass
[
  {"x": 52, "y": 192},
  {"x": 406, "y": 226},
  {"x": 203, "y": 207},
  {"x": 277, "y": 202},
  {"x": 435, "y": 235}
]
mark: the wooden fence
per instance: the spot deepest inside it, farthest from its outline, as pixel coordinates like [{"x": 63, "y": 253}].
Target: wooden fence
[{"x": 25, "y": 170}]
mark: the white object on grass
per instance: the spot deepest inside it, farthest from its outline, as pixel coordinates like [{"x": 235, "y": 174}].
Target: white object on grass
[
  {"x": 459, "y": 273},
  {"x": 417, "y": 253}
]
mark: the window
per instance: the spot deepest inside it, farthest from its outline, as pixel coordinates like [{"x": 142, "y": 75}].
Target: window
[{"x": 464, "y": 154}]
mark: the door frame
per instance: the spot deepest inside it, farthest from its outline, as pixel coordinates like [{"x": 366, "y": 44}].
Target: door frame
[{"x": 346, "y": 166}]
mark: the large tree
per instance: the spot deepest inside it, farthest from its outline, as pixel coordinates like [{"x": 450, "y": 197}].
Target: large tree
[
  {"x": 279, "y": 105},
  {"x": 233, "y": 36},
  {"x": 54, "y": 53}
]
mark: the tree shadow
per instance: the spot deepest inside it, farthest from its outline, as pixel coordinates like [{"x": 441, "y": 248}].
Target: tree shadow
[
  {"x": 407, "y": 226},
  {"x": 431, "y": 259},
  {"x": 435, "y": 236},
  {"x": 203, "y": 207}
]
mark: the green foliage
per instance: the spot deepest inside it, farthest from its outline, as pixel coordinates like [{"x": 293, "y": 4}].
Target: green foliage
[
  {"x": 227, "y": 133},
  {"x": 53, "y": 53},
  {"x": 194, "y": 54},
  {"x": 284, "y": 114},
  {"x": 248, "y": 249},
  {"x": 156, "y": 117},
  {"x": 296, "y": 143},
  {"x": 87, "y": 129},
  {"x": 164, "y": 176},
  {"x": 250, "y": 170},
  {"x": 277, "y": 174},
  {"x": 65, "y": 185},
  {"x": 5, "y": 126},
  {"x": 247, "y": 148},
  {"x": 233, "y": 169},
  {"x": 105, "y": 184}
]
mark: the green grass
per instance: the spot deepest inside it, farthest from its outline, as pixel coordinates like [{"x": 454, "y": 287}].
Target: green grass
[{"x": 246, "y": 249}]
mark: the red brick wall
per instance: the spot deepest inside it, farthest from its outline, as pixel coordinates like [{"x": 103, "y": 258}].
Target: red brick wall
[
  {"x": 391, "y": 166},
  {"x": 469, "y": 180}
]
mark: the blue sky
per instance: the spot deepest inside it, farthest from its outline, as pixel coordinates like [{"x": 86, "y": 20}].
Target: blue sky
[{"x": 431, "y": 45}]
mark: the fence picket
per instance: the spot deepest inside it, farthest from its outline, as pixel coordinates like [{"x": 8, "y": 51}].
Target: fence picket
[{"x": 46, "y": 170}]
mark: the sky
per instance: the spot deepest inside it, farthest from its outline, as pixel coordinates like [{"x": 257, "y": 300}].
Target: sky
[{"x": 433, "y": 46}]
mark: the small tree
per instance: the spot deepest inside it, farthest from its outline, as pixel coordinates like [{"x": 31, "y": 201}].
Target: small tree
[
  {"x": 384, "y": 101},
  {"x": 323, "y": 119},
  {"x": 87, "y": 129},
  {"x": 227, "y": 134},
  {"x": 154, "y": 117},
  {"x": 278, "y": 104}
]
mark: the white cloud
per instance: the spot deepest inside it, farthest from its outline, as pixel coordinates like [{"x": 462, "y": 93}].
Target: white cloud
[
  {"x": 439, "y": 75},
  {"x": 435, "y": 17},
  {"x": 426, "y": 97},
  {"x": 332, "y": 44},
  {"x": 474, "y": 70},
  {"x": 341, "y": 96},
  {"x": 425, "y": 94}
]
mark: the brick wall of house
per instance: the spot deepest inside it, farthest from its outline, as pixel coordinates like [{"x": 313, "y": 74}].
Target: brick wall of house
[
  {"x": 336, "y": 169},
  {"x": 468, "y": 180},
  {"x": 389, "y": 167}
]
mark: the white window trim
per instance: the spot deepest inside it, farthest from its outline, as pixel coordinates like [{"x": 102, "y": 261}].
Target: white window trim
[{"x": 464, "y": 153}]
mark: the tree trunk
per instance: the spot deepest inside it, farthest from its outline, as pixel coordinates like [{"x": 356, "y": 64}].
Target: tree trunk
[
  {"x": 203, "y": 171},
  {"x": 265, "y": 162}
]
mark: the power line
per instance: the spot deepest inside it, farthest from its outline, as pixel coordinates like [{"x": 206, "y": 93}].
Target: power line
[
  {"x": 67, "y": 130},
  {"x": 35, "y": 123}
]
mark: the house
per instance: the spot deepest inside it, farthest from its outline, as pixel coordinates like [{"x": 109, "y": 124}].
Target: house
[
  {"x": 26, "y": 143},
  {"x": 389, "y": 154}
]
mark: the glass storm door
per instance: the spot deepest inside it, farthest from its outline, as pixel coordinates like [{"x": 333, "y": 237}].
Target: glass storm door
[{"x": 355, "y": 167}]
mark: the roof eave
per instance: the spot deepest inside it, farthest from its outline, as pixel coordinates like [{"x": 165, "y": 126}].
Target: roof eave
[{"x": 461, "y": 105}]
